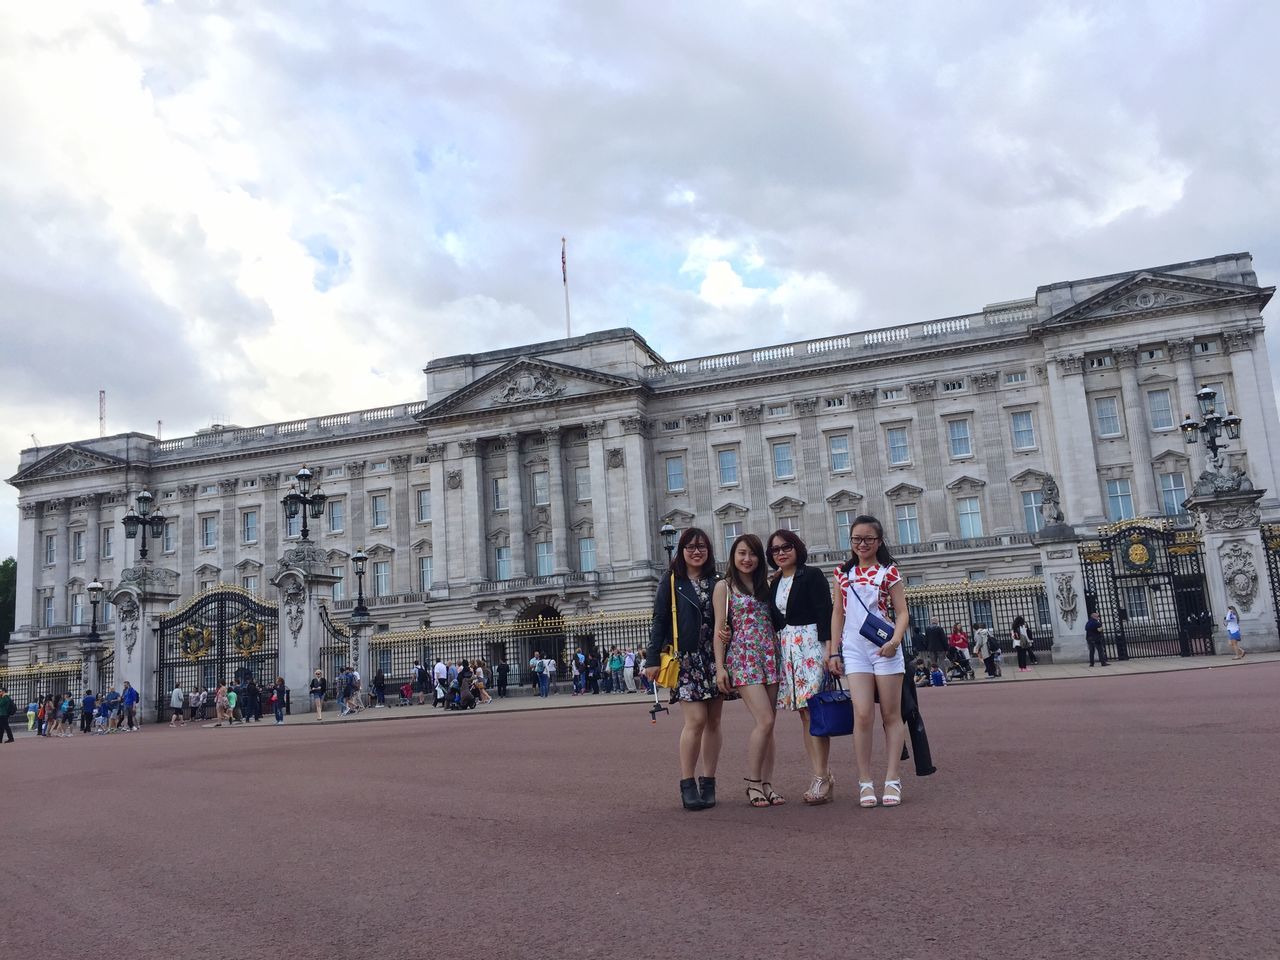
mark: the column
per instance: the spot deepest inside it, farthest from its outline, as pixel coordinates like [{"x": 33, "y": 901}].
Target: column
[
  {"x": 229, "y": 531},
  {"x": 1134, "y": 403},
  {"x": 1180, "y": 353},
  {"x": 1253, "y": 409},
  {"x": 817, "y": 531},
  {"x": 302, "y": 585},
  {"x": 938, "y": 526},
  {"x": 515, "y": 506},
  {"x": 758, "y": 467},
  {"x": 1078, "y": 463},
  {"x": 469, "y": 480},
  {"x": 58, "y": 511},
  {"x": 991, "y": 441},
  {"x": 698, "y": 477},
  {"x": 1266, "y": 414},
  {"x": 870, "y": 465},
  {"x": 635, "y": 458},
  {"x": 404, "y": 576},
  {"x": 270, "y": 520},
  {"x": 596, "y": 463},
  {"x": 92, "y": 540},
  {"x": 186, "y": 521},
  {"x": 559, "y": 516},
  {"x": 440, "y": 538},
  {"x": 26, "y": 610}
]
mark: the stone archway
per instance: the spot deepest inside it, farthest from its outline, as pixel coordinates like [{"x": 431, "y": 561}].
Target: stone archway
[{"x": 540, "y": 628}]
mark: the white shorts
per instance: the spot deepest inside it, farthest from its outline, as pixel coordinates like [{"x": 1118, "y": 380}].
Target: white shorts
[{"x": 863, "y": 656}]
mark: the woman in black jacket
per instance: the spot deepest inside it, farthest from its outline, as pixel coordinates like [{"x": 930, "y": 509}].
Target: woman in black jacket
[
  {"x": 801, "y": 605},
  {"x": 692, "y": 577}
]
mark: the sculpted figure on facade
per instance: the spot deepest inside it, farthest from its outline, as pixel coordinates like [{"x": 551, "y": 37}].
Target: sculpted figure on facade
[
  {"x": 534, "y": 385},
  {"x": 453, "y": 479},
  {"x": 1050, "y": 505},
  {"x": 295, "y": 599},
  {"x": 1239, "y": 574},
  {"x": 1064, "y": 588},
  {"x": 616, "y": 457}
]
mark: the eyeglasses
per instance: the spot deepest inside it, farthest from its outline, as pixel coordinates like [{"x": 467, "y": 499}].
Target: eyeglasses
[
  {"x": 696, "y": 548},
  {"x": 780, "y": 548},
  {"x": 863, "y": 541}
]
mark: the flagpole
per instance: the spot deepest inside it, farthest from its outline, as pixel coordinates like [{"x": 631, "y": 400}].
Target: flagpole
[{"x": 564, "y": 273}]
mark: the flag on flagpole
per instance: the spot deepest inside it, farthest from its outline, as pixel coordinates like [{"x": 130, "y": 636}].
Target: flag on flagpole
[{"x": 564, "y": 267}]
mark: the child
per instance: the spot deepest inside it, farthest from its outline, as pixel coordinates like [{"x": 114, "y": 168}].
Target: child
[
  {"x": 937, "y": 678},
  {"x": 921, "y": 673}
]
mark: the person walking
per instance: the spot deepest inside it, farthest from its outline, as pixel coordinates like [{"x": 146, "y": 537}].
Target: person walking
[
  {"x": 868, "y": 584},
  {"x": 1021, "y": 641},
  {"x": 801, "y": 609},
  {"x": 177, "y": 700},
  {"x": 535, "y": 672},
  {"x": 1233, "y": 633},
  {"x": 7, "y": 710},
  {"x": 503, "y": 670},
  {"x": 1093, "y": 637},
  {"x": 33, "y": 714},
  {"x": 552, "y": 668},
  {"x": 617, "y": 680},
  {"x": 440, "y": 674},
  {"x": 129, "y": 695},
  {"x": 420, "y": 677},
  {"x": 983, "y": 649},
  {"x": 380, "y": 688},
  {"x": 684, "y": 596},
  {"x": 278, "y": 694},
  {"x": 746, "y": 649},
  {"x": 88, "y": 703},
  {"x": 317, "y": 688}
]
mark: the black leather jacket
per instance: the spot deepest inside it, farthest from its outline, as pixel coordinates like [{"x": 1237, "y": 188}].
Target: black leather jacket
[{"x": 688, "y": 618}]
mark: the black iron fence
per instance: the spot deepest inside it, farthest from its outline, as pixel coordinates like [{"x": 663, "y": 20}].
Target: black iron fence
[
  {"x": 994, "y": 604},
  {"x": 1271, "y": 550},
  {"x": 26, "y": 684}
]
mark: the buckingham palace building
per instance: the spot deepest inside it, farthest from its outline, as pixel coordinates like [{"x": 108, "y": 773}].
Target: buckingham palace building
[{"x": 534, "y": 480}]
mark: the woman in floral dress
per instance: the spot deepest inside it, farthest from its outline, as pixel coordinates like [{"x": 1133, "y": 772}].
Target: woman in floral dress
[
  {"x": 746, "y": 651},
  {"x": 690, "y": 581},
  {"x": 801, "y": 608}
]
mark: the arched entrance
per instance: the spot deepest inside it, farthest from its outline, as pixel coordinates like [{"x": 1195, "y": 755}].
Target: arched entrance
[{"x": 540, "y": 629}]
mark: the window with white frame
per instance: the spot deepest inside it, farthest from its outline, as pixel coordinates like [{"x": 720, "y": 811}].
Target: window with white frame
[
  {"x": 48, "y": 611},
  {"x": 908, "y": 523},
  {"x": 732, "y": 531},
  {"x": 337, "y": 511},
  {"x": 834, "y": 403},
  {"x": 1023, "y": 430},
  {"x": 381, "y": 578},
  {"x": 784, "y": 464},
  {"x": 893, "y": 393},
  {"x": 776, "y": 410},
  {"x": 77, "y": 545},
  {"x": 958, "y": 439},
  {"x": 969, "y": 512},
  {"x": 727, "y": 462},
  {"x": 206, "y": 585},
  {"x": 1019, "y": 376},
  {"x": 1160, "y": 408},
  {"x": 50, "y": 549},
  {"x": 250, "y": 583},
  {"x": 838, "y": 452},
  {"x": 789, "y": 523},
  {"x": 293, "y": 525},
  {"x": 899, "y": 446},
  {"x": 106, "y": 542},
  {"x": 1097, "y": 363},
  {"x": 1119, "y": 500},
  {"x": 724, "y": 418},
  {"x": 249, "y": 484},
  {"x": 249, "y": 526},
  {"x": 424, "y": 506},
  {"x": 844, "y": 523},
  {"x": 425, "y": 578},
  {"x": 339, "y": 589},
  {"x": 542, "y": 488},
  {"x": 333, "y": 471},
  {"x": 545, "y": 558},
  {"x": 502, "y": 563},
  {"x": 952, "y": 386},
  {"x": 1106, "y": 412},
  {"x": 675, "y": 474},
  {"x": 586, "y": 554},
  {"x": 380, "y": 509},
  {"x": 1136, "y": 605},
  {"x": 1173, "y": 490},
  {"x": 498, "y": 492},
  {"x": 582, "y": 483},
  {"x": 1032, "y": 501},
  {"x": 77, "y": 609},
  {"x": 208, "y": 532},
  {"x": 168, "y": 539}
]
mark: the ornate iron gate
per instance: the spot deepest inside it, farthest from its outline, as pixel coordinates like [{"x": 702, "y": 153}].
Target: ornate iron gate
[
  {"x": 213, "y": 638},
  {"x": 1271, "y": 550},
  {"x": 1146, "y": 584}
]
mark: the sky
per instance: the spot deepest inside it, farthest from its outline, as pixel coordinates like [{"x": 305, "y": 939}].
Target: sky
[{"x": 248, "y": 212}]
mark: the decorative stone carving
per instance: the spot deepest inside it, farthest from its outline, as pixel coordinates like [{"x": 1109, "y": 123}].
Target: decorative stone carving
[
  {"x": 1180, "y": 349},
  {"x": 453, "y": 479},
  {"x": 269, "y": 481},
  {"x": 696, "y": 422},
  {"x": 30, "y": 511},
  {"x": 1064, "y": 589},
  {"x": 615, "y": 457},
  {"x": 750, "y": 414},
  {"x": 187, "y": 490},
  {"x": 1239, "y": 574},
  {"x": 84, "y": 503},
  {"x": 635, "y": 425},
  {"x": 595, "y": 429},
  {"x": 1061, "y": 554},
  {"x": 295, "y": 600},
  {"x": 1211, "y": 483},
  {"x": 305, "y": 556},
  {"x": 468, "y": 446},
  {"x": 435, "y": 452},
  {"x": 732, "y": 511},
  {"x": 923, "y": 389},
  {"x": 54, "y": 506},
  {"x": 805, "y": 406},
  {"x": 863, "y": 399},
  {"x": 229, "y": 486},
  {"x": 1237, "y": 340},
  {"x": 150, "y": 579},
  {"x": 127, "y": 611},
  {"x": 1146, "y": 300},
  {"x": 529, "y": 386},
  {"x": 1071, "y": 363},
  {"x": 400, "y": 463},
  {"x": 982, "y": 382},
  {"x": 355, "y": 468},
  {"x": 1126, "y": 356},
  {"x": 582, "y": 608},
  {"x": 1237, "y": 515},
  {"x": 1051, "y": 499},
  {"x": 551, "y": 435}
]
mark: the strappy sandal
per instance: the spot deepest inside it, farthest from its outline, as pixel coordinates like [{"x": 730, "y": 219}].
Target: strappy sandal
[
  {"x": 867, "y": 794},
  {"x": 819, "y": 792},
  {"x": 892, "y": 799},
  {"x": 755, "y": 796},
  {"x": 775, "y": 799}
]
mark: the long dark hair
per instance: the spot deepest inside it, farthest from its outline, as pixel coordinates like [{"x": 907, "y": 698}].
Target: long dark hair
[
  {"x": 1019, "y": 621},
  {"x": 759, "y": 585},
  {"x": 678, "y": 566},
  {"x": 883, "y": 557}
]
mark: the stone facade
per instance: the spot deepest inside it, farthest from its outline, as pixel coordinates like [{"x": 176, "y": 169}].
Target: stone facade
[{"x": 539, "y": 475}]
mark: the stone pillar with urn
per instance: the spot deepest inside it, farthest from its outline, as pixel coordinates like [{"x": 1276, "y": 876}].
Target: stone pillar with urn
[{"x": 302, "y": 578}]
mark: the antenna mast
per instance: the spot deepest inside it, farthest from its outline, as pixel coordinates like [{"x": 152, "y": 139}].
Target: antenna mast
[{"x": 102, "y": 413}]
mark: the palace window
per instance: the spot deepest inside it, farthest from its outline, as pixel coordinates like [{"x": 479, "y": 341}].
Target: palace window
[
  {"x": 424, "y": 506},
  {"x": 106, "y": 543},
  {"x": 77, "y": 545},
  {"x": 727, "y": 460},
  {"x": 77, "y": 609},
  {"x": 250, "y": 583},
  {"x": 382, "y": 578},
  {"x": 293, "y": 525},
  {"x": 732, "y": 531},
  {"x": 776, "y": 410},
  {"x": 899, "y": 448},
  {"x": 834, "y": 403},
  {"x": 424, "y": 574},
  {"x": 48, "y": 611},
  {"x": 582, "y": 483},
  {"x": 1219, "y": 400},
  {"x": 380, "y": 509},
  {"x": 724, "y": 418},
  {"x": 50, "y": 549},
  {"x": 1018, "y": 377},
  {"x": 893, "y": 393},
  {"x": 1119, "y": 500},
  {"x": 844, "y": 523},
  {"x": 838, "y": 452},
  {"x": 952, "y": 386},
  {"x": 544, "y": 555},
  {"x": 969, "y": 512},
  {"x": 958, "y": 438},
  {"x": 675, "y": 474},
  {"x": 542, "y": 488},
  {"x": 586, "y": 554},
  {"x": 502, "y": 563},
  {"x": 908, "y": 523},
  {"x": 1032, "y": 501},
  {"x": 168, "y": 540},
  {"x": 208, "y": 532},
  {"x": 337, "y": 510},
  {"x": 1107, "y": 415},
  {"x": 249, "y": 526},
  {"x": 498, "y": 492},
  {"x": 784, "y": 464},
  {"x": 1161, "y": 410},
  {"x": 1023, "y": 429},
  {"x": 1173, "y": 490},
  {"x": 339, "y": 590}
]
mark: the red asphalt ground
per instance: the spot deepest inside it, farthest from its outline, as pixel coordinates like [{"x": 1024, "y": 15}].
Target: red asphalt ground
[{"x": 1121, "y": 817}]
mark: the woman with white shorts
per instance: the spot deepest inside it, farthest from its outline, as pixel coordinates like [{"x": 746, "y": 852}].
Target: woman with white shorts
[{"x": 870, "y": 582}]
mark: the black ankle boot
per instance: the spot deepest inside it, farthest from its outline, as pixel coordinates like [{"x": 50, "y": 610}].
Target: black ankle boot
[
  {"x": 689, "y": 795},
  {"x": 707, "y": 790}
]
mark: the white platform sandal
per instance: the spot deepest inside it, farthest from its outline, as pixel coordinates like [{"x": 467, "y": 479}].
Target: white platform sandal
[
  {"x": 867, "y": 795},
  {"x": 894, "y": 798}
]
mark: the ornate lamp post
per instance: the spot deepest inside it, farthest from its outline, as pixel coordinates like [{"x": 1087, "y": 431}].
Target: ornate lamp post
[
  {"x": 359, "y": 560},
  {"x": 143, "y": 520},
  {"x": 669, "y": 538},
  {"x": 1212, "y": 426},
  {"x": 95, "y": 597},
  {"x": 300, "y": 500}
]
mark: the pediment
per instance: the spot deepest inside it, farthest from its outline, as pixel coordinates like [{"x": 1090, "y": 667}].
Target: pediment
[
  {"x": 904, "y": 492},
  {"x": 207, "y": 570},
  {"x": 421, "y": 545},
  {"x": 786, "y": 505},
  {"x": 966, "y": 484},
  {"x": 337, "y": 556},
  {"x": 680, "y": 519},
  {"x": 1170, "y": 460},
  {"x": 731, "y": 511},
  {"x": 68, "y": 460},
  {"x": 1155, "y": 294},
  {"x": 583, "y": 527},
  {"x": 845, "y": 498},
  {"x": 1029, "y": 479},
  {"x": 248, "y": 564},
  {"x": 380, "y": 550},
  {"x": 527, "y": 382},
  {"x": 1158, "y": 380}
]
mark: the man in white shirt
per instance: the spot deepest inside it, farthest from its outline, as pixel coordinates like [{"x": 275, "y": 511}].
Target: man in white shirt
[
  {"x": 629, "y": 670},
  {"x": 440, "y": 673},
  {"x": 357, "y": 704},
  {"x": 550, "y": 666}
]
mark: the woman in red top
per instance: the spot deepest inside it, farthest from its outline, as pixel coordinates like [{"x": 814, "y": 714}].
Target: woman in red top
[{"x": 959, "y": 640}]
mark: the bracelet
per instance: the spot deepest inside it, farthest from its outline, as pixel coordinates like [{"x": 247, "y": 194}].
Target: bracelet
[{"x": 835, "y": 656}]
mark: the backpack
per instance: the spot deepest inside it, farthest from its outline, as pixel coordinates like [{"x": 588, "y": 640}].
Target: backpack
[{"x": 542, "y": 664}]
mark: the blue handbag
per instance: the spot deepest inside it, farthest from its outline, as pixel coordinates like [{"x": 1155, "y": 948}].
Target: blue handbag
[
  {"x": 831, "y": 710},
  {"x": 874, "y": 628}
]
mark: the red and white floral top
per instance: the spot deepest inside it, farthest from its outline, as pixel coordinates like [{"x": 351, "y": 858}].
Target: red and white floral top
[{"x": 865, "y": 576}]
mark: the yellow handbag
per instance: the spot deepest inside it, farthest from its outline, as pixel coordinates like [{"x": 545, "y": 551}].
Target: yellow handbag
[{"x": 669, "y": 664}]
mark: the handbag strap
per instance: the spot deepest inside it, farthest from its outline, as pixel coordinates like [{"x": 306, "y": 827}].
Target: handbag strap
[
  {"x": 879, "y": 578},
  {"x": 675, "y": 627}
]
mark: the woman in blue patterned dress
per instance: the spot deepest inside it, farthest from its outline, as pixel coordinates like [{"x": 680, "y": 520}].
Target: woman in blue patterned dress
[{"x": 746, "y": 649}]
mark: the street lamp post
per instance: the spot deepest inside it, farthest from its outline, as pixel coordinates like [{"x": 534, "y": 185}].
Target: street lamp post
[
  {"x": 1211, "y": 426},
  {"x": 669, "y": 537},
  {"x": 361, "y": 612},
  {"x": 300, "y": 500},
  {"x": 142, "y": 521},
  {"x": 95, "y": 597}
]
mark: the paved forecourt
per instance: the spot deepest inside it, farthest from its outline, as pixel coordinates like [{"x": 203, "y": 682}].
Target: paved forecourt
[{"x": 1097, "y": 817}]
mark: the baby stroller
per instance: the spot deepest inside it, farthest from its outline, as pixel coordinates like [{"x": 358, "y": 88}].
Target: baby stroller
[
  {"x": 959, "y": 668},
  {"x": 459, "y": 698},
  {"x": 406, "y": 695}
]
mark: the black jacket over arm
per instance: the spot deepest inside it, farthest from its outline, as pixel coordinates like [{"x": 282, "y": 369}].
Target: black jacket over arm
[
  {"x": 809, "y": 602},
  {"x": 688, "y": 618}
]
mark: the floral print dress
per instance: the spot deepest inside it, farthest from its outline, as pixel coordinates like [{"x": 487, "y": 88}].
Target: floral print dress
[
  {"x": 801, "y": 672},
  {"x": 698, "y": 667},
  {"x": 752, "y": 656}
]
